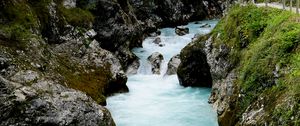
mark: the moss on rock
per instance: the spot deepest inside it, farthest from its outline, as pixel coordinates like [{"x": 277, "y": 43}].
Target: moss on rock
[{"x": 264, "y": 46}]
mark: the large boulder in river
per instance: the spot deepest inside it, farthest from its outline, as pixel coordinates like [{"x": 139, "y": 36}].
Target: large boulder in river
[
  {"x": 194, "y": 70},
  {"x": 133, "y": 68},
  {"x": 157, "y": 40},
  {"x": 181, "y": 31},
  {"x": 173, "y": 65},
  {"x": 155, "y": 60}
]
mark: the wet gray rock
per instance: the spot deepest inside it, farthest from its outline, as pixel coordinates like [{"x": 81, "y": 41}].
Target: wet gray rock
[
  {"x": 205, "y": 26},
  {"x": 121, "y": 24},
  {"x": 223, "y": 94},
  {"x": 181, "y": 31},
  {"x": 161, "y": 45},
  {"x": 133, "y": 68},
  {"x": 194, "y": 70},
  {"x": 197, "y": 22},
  {"x": 118, "y": 29},
  {"x": 155, "y": 60},
  {"x": 173, "y": 65},
  {"x": 48, "y": 103},
  {"x": 96, "y": 56},
  {"x": 92, "y": 55},
  {"x": 219, "y": 64},
  {"x": 157, "y": 40}
]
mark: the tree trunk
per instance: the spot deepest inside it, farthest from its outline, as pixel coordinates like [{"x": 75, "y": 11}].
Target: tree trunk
[
  {"x": 283, "y": 4},
  {"x": 297, "y": 4},
  {"x": 291, "y": 5},
  {"x": 266, "y": 2}
]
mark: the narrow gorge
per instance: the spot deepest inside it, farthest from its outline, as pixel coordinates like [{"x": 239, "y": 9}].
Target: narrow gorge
[
  {"x": 156, "y": 97},
  {"x": 148, "y": 63}
]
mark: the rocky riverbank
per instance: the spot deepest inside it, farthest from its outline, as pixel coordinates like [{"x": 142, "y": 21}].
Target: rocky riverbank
[
  {"x": 253, "y": 57},
  {"x": 60, "y": 58}
]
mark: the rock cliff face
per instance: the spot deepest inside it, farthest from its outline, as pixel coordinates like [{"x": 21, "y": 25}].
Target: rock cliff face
[
  {"x": 173, "y": 65},
  {"x": 253, "y": 66},
  {"x": 194, "y": 70},
  {"x": 122, "y": 25},
  {"x": 47, "y": 103},
  {"x": 60, "y": 58},
  {"x": 155, "y": 60}
]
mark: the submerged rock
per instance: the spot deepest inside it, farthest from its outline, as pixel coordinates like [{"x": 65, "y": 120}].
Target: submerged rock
[
  {"x": 155, "y": 60},
  {"x": 173, "y": 65},
  {"x": 162, "y": 45},
  {"x": 157, "y": 40},
  {"x": 205, "y": 26},
  {"x": 194, "y": 70},
  {"x": 181, "y": 31},
  {"x": 197, "y": 22}
]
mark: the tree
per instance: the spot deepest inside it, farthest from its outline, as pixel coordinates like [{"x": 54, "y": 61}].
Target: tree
[
  {"x": 291, "y": 5},
  {"x": 283, "y": 4},
  {"x": 266, "y": 2},
  {"x": 297, "y": 6}
]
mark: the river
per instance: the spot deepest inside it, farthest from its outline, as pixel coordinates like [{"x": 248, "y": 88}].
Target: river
[{"x": 159, "y": 100}]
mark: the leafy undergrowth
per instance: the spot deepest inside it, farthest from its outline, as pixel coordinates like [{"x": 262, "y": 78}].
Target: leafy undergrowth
[{"x": 265, "y": 49}]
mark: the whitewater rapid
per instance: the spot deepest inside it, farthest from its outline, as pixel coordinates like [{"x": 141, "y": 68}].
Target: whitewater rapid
[{"x": 159, "y": 100}]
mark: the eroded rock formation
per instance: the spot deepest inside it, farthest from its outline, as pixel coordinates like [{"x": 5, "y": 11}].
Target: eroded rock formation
[{"x": 155, "y": 60}]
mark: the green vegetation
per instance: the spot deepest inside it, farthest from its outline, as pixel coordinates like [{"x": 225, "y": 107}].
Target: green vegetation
[
  {"x": 19, "y": 28},
  {"x": 24, "y": 20},
  {"x": 77, "y": 16},
  {"x": 264, "y": 46},
  {"x": 262, "y": 1}
]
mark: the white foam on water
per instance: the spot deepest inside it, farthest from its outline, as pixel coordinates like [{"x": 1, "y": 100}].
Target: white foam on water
[{"x": 158, "y": 100}]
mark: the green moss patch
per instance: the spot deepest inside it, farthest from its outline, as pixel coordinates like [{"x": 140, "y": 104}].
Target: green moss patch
[
  {"x": 264, "y": 46},
  {"x": 77, "y": 16},
  {"x": 93, "y": 82}
]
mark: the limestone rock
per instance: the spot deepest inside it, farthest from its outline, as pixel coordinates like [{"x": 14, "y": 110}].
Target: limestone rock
[
  {"x": 155, "y": 60},
  {"x": 25, "y": 76},
  {"x": 69, "y": 3},
  {"x": 157, "y": 40},
  {"x": 173, "y": 65},
  {"x": 194, "y": 70},
  {"x": 205, "y": 26},
  {"x": 47, "y": 102},
  {"x": 181, "y": 31},
  {"x": 133, "y": 68}
]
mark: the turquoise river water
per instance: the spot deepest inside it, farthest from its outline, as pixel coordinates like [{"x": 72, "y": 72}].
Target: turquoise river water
[{"x": 159, "y": 100}]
